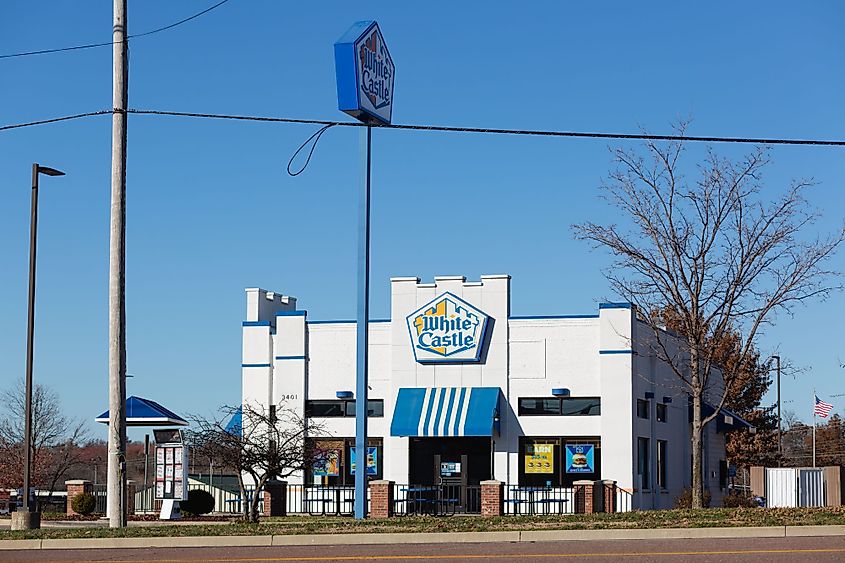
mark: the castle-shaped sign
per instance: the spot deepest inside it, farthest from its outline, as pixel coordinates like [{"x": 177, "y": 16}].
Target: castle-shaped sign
[{"x": 447, "y": 329}]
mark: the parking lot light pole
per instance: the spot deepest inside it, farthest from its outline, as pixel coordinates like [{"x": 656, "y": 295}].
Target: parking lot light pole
[{"x": 37, "y": 170}]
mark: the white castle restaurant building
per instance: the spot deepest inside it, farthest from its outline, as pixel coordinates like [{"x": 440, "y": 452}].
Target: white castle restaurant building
[{"x": 461, "y": 391}]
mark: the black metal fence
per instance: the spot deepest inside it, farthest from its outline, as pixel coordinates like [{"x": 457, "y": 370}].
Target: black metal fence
[
  {"x": 436, "y": 499},
  {"x": 539, "y": 500},
  {"x": 410, "y": 499}
]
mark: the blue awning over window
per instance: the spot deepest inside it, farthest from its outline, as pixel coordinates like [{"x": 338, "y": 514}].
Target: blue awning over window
[{"x": 446, "y": 411}]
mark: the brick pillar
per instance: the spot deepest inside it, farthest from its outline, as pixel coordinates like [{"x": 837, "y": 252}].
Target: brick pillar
[
  {"x": 131, "y": 489},
  {"x": 492, "y": 498},
  {"x": 381, "y": 499},
  {"x": 583, "y": 497},
  {"x": 609, "y": 495},
  {"x": 75, "y": 487},
  {"x": 276, "y": 498}
]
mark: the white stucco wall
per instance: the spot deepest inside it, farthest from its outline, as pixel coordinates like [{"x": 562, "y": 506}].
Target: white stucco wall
[{"x": 289, "y": 358}]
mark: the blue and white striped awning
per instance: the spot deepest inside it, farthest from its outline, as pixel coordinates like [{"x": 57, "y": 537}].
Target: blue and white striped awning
[{"x": 446, "y": 411}]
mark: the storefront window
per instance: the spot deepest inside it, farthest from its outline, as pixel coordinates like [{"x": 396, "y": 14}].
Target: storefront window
[
  {"x": 587, "y": 406},
  {"x": 335, "y": 465},
  {"x": 539, "y": 407},
  {"x": 342, "y": 408},
  {"x": 557, "y": 406},
  {"x": 558, "y": 461}
]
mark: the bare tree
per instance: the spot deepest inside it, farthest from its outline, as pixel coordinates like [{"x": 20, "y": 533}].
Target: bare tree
[
  {"x": 56, "y": 438},
  {"x": 713, "y": 252},
  {"x": 268, "y": 444}
]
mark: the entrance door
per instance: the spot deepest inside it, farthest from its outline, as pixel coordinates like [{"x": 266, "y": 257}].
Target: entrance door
[
  {"x": 467, "y": 462},
  {"x": 450, "y": 473}
]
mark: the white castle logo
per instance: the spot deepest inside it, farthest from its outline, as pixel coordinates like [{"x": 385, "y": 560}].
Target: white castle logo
[{"x": 447, "y": 329}]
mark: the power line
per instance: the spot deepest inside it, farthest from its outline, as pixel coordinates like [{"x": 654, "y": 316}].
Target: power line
[
  {"x": 92, "y": 45},
  {"x": 443, "y": 128},
  {"x": 527, "y": 132},
  {"x": 55, "y": 119}
]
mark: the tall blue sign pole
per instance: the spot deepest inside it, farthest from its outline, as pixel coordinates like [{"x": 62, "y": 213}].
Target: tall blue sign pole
[{"x": 365, "y": 75}]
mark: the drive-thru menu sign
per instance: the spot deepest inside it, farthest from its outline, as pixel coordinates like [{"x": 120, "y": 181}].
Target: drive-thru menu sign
[{"x": 171, "y": 476}]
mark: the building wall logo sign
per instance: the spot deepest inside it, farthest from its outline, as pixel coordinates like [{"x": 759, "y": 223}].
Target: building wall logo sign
[
  {"x": 447, "y": 329},
  {"x": 365, "y": 73}
]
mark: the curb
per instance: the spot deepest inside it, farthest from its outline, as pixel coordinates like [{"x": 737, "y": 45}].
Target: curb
[{"x": 430, "y": 538}]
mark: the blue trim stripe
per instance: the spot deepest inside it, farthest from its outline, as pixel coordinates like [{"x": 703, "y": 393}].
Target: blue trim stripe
[
  {"x": 439, "y": 411},
  {"x": 256, "y": 323},
  {"x": 346, "y": 321},
  {"x": 615, "y": 305},
  {"x": 540, "y": 317},
  {"x": 616, "y": 351},
  {"x": 428, "y": 414},
  {"x": 291, "y": 313},
  {"x": 449, "y": 409},
  {"x": 290, "y": 357},
  {"x": 461, "y": 402},
  {"x": 255, "y": 365}
]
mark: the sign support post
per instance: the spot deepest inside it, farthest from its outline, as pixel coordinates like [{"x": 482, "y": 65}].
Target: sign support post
[
  {"x": 365, "y": 74},
  {"x": 363, "y": 318}
]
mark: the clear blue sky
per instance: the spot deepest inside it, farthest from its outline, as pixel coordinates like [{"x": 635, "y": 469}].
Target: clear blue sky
[{"x": 212, "y": 211}]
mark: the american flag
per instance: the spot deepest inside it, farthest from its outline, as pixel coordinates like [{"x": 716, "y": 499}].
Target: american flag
[{"x": 822, "y": 409}]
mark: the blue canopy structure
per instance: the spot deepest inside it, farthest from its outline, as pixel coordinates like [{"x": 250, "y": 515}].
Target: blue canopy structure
[
  {"x": 233, "y": 427},
  {"x": 144, "y": 412},
  {"x": 446, "y": 411}
]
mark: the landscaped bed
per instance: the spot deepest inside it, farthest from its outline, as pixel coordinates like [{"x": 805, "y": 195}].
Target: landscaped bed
[{"x": 707, "y": 518}]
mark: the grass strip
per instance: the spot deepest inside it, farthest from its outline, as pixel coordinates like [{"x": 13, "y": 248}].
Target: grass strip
[{"x": 706, "y": 518}]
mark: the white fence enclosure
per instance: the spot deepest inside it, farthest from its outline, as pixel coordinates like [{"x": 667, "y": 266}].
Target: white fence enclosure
[{"x": 791, "y": 487}]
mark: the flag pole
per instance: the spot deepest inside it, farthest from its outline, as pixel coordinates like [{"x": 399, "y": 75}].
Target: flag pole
[{"x": 814, "y": 427}]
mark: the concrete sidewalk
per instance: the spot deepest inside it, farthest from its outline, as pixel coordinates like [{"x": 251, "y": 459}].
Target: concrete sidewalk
[{"x": 425, "y": 538}]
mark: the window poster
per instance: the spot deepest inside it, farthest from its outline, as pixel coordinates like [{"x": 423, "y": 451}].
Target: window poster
[
  {"x": 539, "y": 458},
  {"x": 580, "y": 458},
  {"x": 177, "y": 489},
  {"x": 372, "y": 460},
  {"x": 168, "y": 455},
  {"x": 328, "y": 464},
  {"x": 168, "y": 472},
  {"x": 160, "y": 489},
  {"x": 160, "y": 471},
  {"x": 160, "y": 455}
]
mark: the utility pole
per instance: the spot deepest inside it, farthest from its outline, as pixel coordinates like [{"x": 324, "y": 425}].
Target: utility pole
[{"x": 117, "y": 274}]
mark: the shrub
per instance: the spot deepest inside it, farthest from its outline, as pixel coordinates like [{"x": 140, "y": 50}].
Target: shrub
[
  {"x": 684, "y": 500},
  {"x": 83, "y": 503},
  {"x": 199, "y": 502},
  {"x": 740, "y": 500}
]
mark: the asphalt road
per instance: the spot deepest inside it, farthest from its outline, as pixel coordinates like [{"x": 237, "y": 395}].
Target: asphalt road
[{"x": 769, "y": 550}]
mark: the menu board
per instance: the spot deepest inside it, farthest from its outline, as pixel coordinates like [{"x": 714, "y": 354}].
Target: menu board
[{"x": 171, "y": 476}]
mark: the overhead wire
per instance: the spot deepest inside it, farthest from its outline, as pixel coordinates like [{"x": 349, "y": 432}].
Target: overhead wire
[
  {"x": 316, "y": 138},
  {"x": 55, "y": 119},
  {"x": 104, "y": 44},
  {"x": 450, "y": 129}
]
